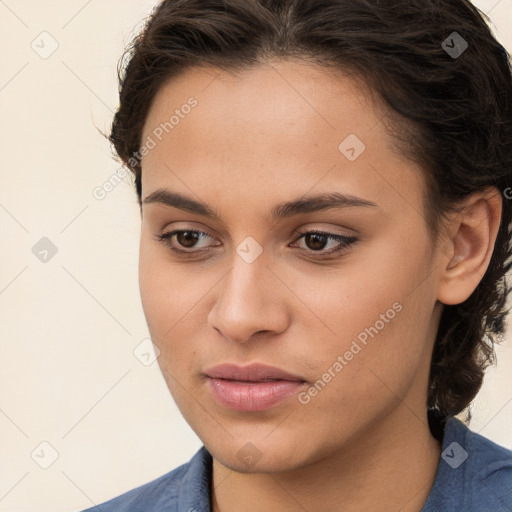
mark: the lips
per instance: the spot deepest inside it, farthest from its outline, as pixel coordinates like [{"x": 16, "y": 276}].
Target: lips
[
  {"x": 252, "y": 373},
  {"x": 255, "y": 387}
]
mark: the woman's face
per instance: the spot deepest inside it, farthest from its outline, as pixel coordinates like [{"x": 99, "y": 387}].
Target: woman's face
[{"x": 352, "y": 319}]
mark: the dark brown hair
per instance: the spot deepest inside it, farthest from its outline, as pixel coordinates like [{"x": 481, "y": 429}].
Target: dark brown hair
[{"x": 449, "y": 112}]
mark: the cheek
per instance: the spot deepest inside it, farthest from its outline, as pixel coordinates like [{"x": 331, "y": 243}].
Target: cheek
[
  {"x": 366, "y": 370},
  {"x": 164, "y": 293},
  {"x": 346, "y": 300},
  {"x": 158, "y": 296},
  {"x": 164, "y": 300},
  {"x": 175, "y": 304},
  {"x": 376, "y": 316}
]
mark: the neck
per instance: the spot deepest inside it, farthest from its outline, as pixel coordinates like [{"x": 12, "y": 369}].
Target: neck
[{"x": 389, "y": 466}]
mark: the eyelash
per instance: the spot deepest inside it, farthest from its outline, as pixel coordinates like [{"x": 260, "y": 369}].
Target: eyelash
[{"x": 347, "y": 241}]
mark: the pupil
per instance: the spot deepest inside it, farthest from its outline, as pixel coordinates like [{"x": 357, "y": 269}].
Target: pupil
[
  {"x": 316, "y": 237},
  {"x": 188, "y": 236}
]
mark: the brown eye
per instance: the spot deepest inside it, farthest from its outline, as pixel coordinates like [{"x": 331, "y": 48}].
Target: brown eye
[
  {"x": 316, "y": 241},
  {"x": 186, "y": 239},
  {"x": 185, "y": 242}
]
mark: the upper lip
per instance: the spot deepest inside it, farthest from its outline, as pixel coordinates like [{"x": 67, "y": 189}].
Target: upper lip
[{"x": 251, "y": 373}]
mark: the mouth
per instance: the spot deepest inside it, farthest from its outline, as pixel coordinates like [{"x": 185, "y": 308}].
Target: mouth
[
  {"x": 255, "y": 387},
  {"x": 251, "y": 373}
]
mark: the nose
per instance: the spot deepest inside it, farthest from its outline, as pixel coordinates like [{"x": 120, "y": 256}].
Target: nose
[{"x": 250, "y": 300}]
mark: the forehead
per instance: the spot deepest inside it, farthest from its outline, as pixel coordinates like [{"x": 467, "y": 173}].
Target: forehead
[
  {"x": 280, "y": 128},
  {"x": 274, "y": 96}
]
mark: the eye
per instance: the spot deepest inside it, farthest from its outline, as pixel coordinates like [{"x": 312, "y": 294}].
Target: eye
[
  {"x": 185, "y": 238},
  {"x": 317, "y": 240}
]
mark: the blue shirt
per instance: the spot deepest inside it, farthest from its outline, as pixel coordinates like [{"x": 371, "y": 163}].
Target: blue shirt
[{"x": 474, "y": 475}]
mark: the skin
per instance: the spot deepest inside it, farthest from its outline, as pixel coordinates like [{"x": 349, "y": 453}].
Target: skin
[{"x": 268, "y": 135}]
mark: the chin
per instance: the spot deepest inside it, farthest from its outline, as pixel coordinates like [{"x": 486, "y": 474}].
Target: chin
[
  {"x": 263, "y": 462},
  {"x": 258, "y": 456}
]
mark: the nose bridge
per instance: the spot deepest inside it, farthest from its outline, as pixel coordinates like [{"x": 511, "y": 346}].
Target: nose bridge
[
  {"x": 244, "y": 287},
  {"x": 244, "y": 304},
  {"x": 249, "y": 267}
]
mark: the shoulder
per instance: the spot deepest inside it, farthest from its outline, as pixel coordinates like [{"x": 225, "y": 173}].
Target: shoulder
[
  {"x": 489, "y": 466},
  {"x": 189, "y": 482},
  {"x": 474, "y": 473}
]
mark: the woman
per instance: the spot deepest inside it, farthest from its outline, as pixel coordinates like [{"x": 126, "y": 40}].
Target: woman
[{"x": 325, "y": 237}]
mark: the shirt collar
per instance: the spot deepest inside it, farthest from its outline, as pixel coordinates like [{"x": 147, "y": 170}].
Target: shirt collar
[{"x": 195, "y": 488}]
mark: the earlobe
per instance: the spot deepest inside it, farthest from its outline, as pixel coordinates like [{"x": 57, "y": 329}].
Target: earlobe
[{"x": 474, "y": 230}]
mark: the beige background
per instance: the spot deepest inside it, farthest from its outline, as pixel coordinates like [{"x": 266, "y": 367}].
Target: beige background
[{"x": 69, "y": 326}]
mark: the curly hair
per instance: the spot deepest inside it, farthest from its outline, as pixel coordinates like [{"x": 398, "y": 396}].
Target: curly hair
[{"x": 449, "y": 112}]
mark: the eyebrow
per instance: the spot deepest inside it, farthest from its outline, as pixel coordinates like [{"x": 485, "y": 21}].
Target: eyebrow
[{"x": 305, "y": 204}]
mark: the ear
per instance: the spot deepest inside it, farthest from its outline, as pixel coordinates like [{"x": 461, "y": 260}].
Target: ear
[{"x": 472, "y": 235}]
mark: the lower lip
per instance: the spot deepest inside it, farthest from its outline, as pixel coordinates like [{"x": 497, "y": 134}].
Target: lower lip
[{"x": 257, "y": 396}]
